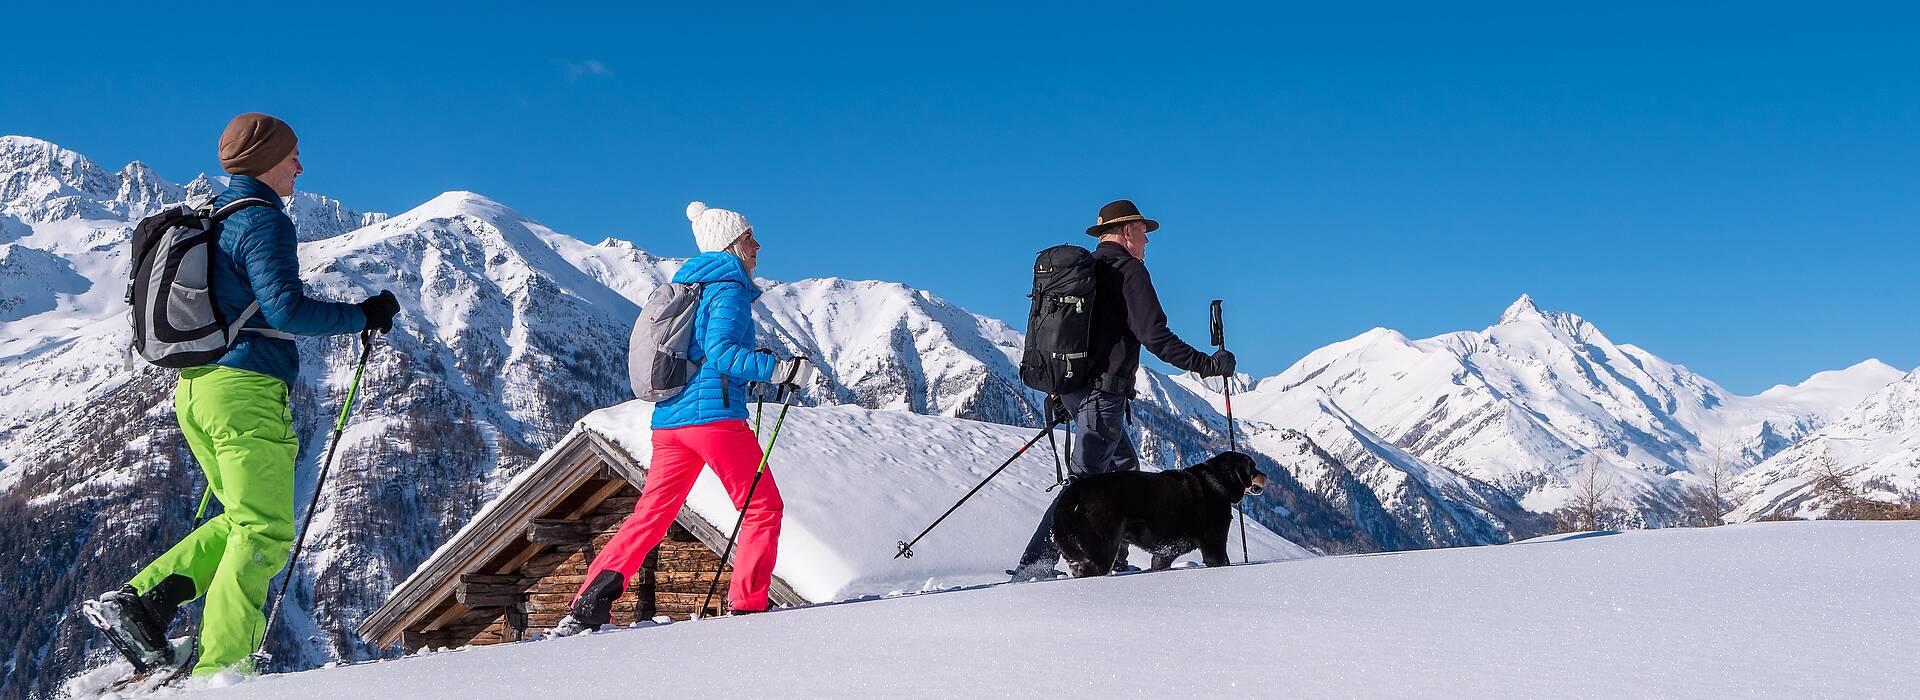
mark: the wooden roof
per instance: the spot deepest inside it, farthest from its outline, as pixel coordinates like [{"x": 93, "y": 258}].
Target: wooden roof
[{"x": 568, "y": 482}]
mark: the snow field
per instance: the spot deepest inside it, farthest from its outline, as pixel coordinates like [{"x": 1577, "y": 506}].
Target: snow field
[{"x": 1819, "y": 609}]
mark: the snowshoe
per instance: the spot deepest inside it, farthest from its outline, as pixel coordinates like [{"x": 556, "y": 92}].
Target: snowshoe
[
  {"x": 594, "y": 607},
  {"x": 569, "y": 626},
  {"x": 120, "y": 680},
  {"x": 130, "y": 627},
  {"x": 1034, "y": 572}
]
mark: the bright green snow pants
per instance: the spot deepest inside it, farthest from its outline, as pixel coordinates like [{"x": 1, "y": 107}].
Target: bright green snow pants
[{"x": 241, "y": 431}]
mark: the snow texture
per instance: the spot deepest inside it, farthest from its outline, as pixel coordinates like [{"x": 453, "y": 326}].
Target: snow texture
[{"x": 1758, "y": 610}]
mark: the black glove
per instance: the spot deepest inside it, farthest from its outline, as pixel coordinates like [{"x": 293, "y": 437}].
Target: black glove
[
  {"x": 795, "y": 372},
  {"x": 380, "y": 311},
  {"x": 1221, "y": 365}
]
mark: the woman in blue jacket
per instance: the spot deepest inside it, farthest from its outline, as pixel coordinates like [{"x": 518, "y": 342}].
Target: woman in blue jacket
[{"x": 705, "y": 424}]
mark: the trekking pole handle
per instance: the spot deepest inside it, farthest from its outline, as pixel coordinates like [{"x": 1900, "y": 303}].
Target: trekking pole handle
[
  {"x": 353, "y": 390},
  {"x": 1215, "y": 327}
]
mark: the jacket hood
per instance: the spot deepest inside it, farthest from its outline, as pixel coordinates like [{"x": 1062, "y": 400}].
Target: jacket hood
[
  {"x": 244, "y": 186},
  {"x": 714, "y": 267}
]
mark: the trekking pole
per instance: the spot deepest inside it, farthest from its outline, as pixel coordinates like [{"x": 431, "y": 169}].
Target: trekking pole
[
  {"x": 260, "y": 657},
  {"x": 1059, "y": 471},
  {"x": 786, "y": 402},
  {"x": 1218, "y": 329},
  {"x": 906, "y": 548}
]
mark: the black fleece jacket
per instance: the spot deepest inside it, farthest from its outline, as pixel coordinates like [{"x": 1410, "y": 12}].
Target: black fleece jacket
[{"x": 1127, "y": 316}]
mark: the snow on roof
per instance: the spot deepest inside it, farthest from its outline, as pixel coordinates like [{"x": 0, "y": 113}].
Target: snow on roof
[{"x": 856, "y": 481}]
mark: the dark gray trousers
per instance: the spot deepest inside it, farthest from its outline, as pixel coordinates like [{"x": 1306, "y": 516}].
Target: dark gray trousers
[{"x": 1100, "y": 446}]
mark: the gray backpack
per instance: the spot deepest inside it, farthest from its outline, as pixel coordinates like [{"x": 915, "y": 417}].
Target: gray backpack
[
  {"x": 176, "y": 322},
  {"x": 659, "y": 362}
]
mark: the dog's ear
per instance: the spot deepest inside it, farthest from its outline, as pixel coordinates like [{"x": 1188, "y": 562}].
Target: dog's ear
[
  {"x": 1219, "y": 475},
  {"x": 1244, "y": 468}
]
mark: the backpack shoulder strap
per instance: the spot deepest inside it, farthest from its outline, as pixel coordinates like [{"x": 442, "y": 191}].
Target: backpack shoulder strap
[{"x": 235, "y": 206}]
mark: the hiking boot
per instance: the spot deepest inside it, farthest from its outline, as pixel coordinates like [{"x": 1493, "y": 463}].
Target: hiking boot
[
  {"x": 130, "y": 627},
  {"x": 594, "y": 607}
]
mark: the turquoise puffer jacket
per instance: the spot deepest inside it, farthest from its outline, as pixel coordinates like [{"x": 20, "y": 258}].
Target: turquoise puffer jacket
[
  {"x": 259, "y": 258},
  {"x": 722, "y": 343}
]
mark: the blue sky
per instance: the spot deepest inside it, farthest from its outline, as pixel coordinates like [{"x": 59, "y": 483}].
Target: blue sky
[{"x": 1731, "y": 186}]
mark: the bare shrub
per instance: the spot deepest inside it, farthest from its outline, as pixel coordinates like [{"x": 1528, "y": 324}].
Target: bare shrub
[{"x": 1595, "y": 504}]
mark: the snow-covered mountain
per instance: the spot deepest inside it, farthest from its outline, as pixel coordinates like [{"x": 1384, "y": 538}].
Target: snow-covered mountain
[
  {"x": 1875, "y": 448},
  {"x": 1447, "y": 431}
]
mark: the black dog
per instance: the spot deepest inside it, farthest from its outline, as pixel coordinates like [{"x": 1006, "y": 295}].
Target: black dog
[{"x": 1166, "y": 513}]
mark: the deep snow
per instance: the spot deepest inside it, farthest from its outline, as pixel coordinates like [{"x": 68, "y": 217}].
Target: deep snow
[{"x": 1801, "y": 609}]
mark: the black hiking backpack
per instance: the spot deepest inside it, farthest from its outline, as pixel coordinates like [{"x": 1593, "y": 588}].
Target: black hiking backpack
[
  {"x": 1056, "y": 359},
  {"x": 176, "y": 323}
]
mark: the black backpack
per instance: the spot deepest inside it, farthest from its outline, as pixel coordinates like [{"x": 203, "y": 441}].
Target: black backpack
[
  {"x": 1055, "y": 360},
  {"x": 176, "y": 322}
]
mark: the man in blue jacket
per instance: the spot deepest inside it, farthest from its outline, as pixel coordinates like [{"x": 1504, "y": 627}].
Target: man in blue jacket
[{"x": 235, "y": 417}]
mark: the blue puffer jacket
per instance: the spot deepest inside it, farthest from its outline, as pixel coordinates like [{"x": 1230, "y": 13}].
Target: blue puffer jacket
[
  {"x": 259, "y": 258},
  {"x": 722, "y": 343}
]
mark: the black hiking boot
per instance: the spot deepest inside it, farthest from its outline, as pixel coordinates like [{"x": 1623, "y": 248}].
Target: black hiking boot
[
  {"x": 594, "y": 607},
  {"x": 131, "y": 627}
]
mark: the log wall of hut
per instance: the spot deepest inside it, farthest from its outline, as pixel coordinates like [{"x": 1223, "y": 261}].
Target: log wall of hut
[{"x": 527, "y": 590}]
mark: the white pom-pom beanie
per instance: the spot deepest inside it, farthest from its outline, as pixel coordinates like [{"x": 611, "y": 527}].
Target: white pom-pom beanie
[{"x": 715, "y": 229}]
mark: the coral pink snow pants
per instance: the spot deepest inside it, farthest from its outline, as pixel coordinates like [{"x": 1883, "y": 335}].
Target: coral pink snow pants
[{"x": 733, "y": 452}]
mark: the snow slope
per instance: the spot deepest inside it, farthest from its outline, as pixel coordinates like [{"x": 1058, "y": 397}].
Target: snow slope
[{"x": 1760, "y": 610}]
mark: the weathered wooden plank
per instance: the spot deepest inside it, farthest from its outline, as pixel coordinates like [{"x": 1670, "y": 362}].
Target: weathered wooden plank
[
  {"x": 452, "y": 613},
  {"x": 603, "y": 493},
  {"x": 554, "y": 562},
  {"x": 489, "y": 579},
  {"x": 669, "y": 580},
  {"x": 558, "y": 533},
  {"x": 497, "y": 600}
]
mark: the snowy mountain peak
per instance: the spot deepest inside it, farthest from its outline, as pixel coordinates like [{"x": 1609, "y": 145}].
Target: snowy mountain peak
[
  {"x": 37, "y": 170},
  {"x": 1851, "y": 383},
  {"x": 461, "y": 203},
  {"x": 1520, "y": 309}
]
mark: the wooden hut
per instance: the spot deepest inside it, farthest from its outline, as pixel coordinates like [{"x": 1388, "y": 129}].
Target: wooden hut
[{"x": 514, "y": 569}]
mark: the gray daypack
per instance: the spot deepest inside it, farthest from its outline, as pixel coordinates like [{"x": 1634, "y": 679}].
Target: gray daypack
[
  {"x": 659, "y": 356},
  {"x": 176, "y": 321}
]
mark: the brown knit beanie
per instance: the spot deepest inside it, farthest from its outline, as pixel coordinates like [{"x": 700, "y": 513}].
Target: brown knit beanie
[{"x": 253, "y": 143}]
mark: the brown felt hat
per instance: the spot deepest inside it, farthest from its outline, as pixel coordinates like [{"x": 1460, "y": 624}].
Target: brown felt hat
[
  {"x": 1119, "y": 211},
  {"x": 253, "y": 143}
]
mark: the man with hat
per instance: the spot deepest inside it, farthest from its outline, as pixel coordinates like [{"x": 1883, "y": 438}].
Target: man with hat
[
  {"x": 1126, "y": 317},
  {"x": 235, "y": 418}
]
